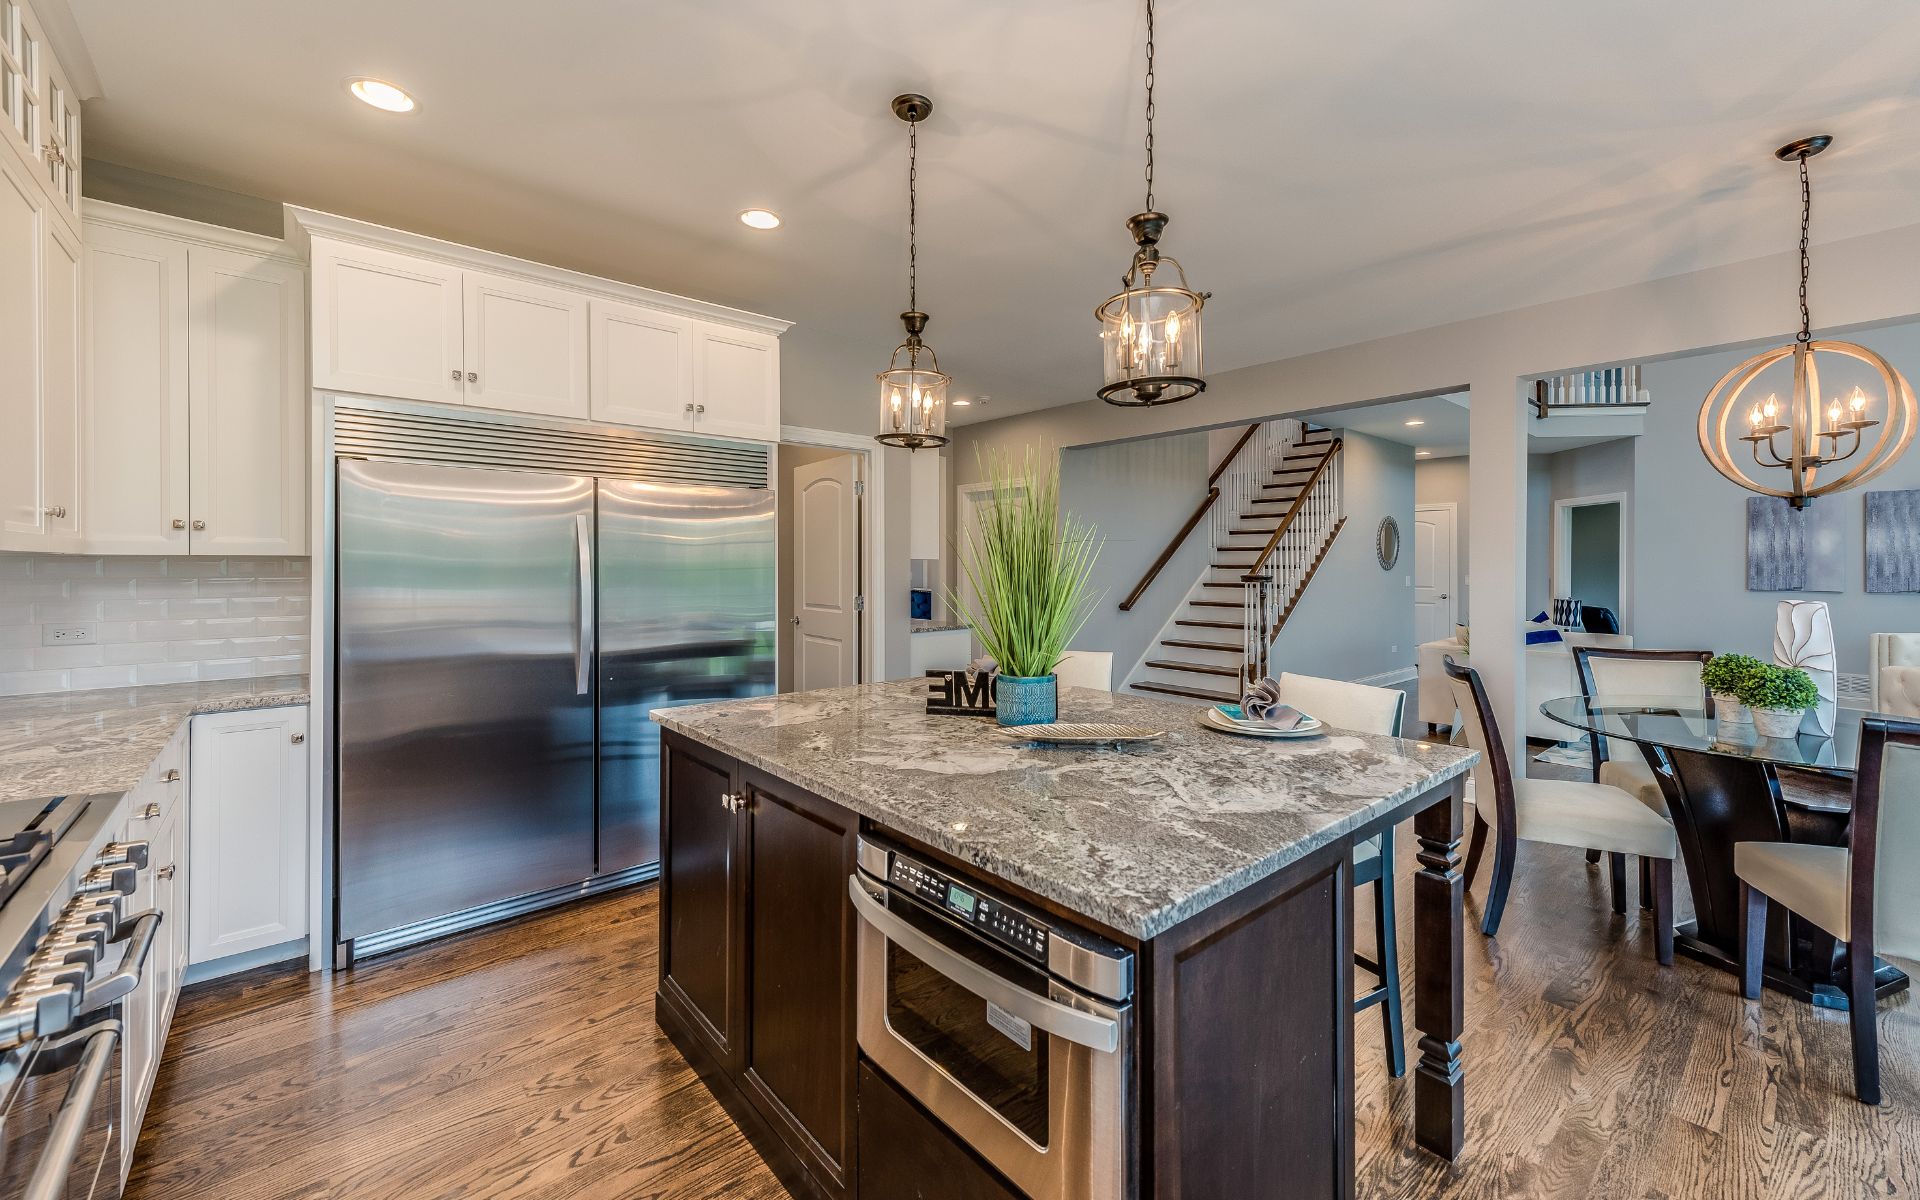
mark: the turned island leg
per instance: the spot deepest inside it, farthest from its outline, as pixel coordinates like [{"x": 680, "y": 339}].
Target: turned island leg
[{"x": 1439, "y": 989}]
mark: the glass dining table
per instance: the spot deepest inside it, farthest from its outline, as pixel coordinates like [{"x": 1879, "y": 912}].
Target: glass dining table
[{"x": 1723, "y": 787}]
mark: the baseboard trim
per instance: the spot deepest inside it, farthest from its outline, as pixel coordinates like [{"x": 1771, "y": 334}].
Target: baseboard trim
[{"x": 1389, "y": 678}]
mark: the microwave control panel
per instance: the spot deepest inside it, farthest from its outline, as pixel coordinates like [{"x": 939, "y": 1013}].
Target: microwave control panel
[{"x": 972, "y": 907}]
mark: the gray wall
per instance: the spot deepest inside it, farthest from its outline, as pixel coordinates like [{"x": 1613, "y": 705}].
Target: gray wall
[
  {"x": 1597, "y": 470},
  {"x": 1689, "y": 524},
  {"x": 1138, "y": 494},
  {"x": 1594, "y": 554},
  {"x": 1356, "y": 620},
  {"x": 1444, "y": 481}
]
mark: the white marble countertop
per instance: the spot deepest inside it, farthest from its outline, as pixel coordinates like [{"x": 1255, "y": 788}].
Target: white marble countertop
[
  {"x": 1138, "y": 838},
  {"x": 103, "y": 741}
]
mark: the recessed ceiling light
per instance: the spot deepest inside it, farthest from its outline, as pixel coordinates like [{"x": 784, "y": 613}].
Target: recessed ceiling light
[
  {"x": 961, "y": 402},
  {"x": 1423, "y": 454},
  {"x": 381, "y": 94},
  {"x": 1416, "y": 421},
  {"x": 760, "y": 218}
]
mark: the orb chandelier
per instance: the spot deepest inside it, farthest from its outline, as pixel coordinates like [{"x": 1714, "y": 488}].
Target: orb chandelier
[
  {"x": 913, "y": 397},
  {"x": 1812, "y": 445},
  {"x": 1150, "y": 331}
]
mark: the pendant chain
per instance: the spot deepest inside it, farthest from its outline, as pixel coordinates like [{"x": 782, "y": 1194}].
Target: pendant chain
[
  {"x": 1149, "y": 207},
  {"x": 913, "y": 216},
  {"x": 1806, "y": 217}
]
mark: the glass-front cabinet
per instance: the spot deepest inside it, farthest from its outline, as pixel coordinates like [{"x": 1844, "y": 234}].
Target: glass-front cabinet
[{"x": 39, "y": 109}]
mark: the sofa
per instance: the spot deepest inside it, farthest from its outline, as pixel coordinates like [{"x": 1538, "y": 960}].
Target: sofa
[{"x": 1550, "y": 673}]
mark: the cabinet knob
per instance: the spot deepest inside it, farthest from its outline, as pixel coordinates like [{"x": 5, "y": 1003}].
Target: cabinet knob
[
  {"x": 150, "y": 813},
  {"x": 699, "y": 408},
  {"x": 456, "y": 374},
  {"x": 689, "y": 407},
  {"x": 298, "y": 738},
  {"x": 165, "y": 872},
  {"x": 473, "y": 377},
  {"x": 56, "y": 511},
  {"x": 179, "y": 524},
  {"x": 172, "y": 775},
  {"x": 199, "y": 525}
]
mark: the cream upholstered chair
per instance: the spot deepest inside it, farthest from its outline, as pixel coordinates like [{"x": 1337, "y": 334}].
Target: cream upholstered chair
[
  {"x": 1894, "y": 674},
  {"x": 1085, "y": 668},
  {"x": 1865, "y": 893},
  {"x": 1366, "y": 709},
  {"x": 1593, "y": 816}
]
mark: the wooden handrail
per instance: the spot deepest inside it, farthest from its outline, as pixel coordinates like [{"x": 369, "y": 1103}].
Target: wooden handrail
[
  {"x": 1293, "y": 510},
  {"x": 1200, "y": 511}
]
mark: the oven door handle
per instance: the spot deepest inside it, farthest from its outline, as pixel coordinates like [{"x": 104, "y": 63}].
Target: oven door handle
[
  {"x": 1080, "y": 1028},
  {"x": 133, "y": 963},
  {"x": 49, "y": 1181}
]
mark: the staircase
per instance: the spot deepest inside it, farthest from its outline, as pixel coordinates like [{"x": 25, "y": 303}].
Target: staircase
[{"x": 1277, "y": 514}]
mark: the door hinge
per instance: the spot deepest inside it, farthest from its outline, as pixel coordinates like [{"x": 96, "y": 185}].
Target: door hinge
[
  {"x": 859, "y": 603},
  {"x": 859, "y": 487}
]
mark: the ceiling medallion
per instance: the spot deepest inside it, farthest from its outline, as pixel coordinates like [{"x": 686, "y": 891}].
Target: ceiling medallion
[
  {"x": 1150, "y": 332},
  {"x": 1811, "y": 446},
  {"x": 913, "y": 398}
]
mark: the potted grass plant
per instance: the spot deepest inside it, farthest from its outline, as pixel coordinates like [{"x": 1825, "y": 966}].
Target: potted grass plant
[
  {"x": 1725, "y": 676},
  {"x": 1028, "y": 565},
  {"x": 1778, "y": 697}
]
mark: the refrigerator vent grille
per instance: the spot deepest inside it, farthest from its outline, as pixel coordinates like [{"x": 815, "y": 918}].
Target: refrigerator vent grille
[{"x": 473, "y": 440}]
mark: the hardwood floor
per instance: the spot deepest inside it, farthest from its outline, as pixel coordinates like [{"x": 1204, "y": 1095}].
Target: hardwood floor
[{"x": 524, "y": 1061}]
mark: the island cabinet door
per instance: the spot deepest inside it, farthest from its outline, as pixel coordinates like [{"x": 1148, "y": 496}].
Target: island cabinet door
[
  {"x": 800, "y": 1003},
  {"x": 703, "y": 889}
]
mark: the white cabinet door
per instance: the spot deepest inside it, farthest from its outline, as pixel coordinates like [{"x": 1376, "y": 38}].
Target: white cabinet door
[
  {"x": 247, "y": 826},
  {"x": 642, "y": 366},
  {"x": 249, "y": 412},
  {"x": 736, "y": 382},
  {"x": 22, "y": 416},
  {"x": 387, "y": 324},
  {"x": 526, "y": 346},
  {"x": 134, "y": 415},
  {"x": 61, "y": 319},
  {"x": 167, "y": 853},
  {"x": 140, "y": 1046}
]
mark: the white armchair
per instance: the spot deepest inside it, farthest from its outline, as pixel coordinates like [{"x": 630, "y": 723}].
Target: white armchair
[
  {"x": 1894, "y": 674},
  {"x": 1550, "y": 674}
]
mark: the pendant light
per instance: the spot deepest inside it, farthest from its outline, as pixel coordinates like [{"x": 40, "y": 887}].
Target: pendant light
[
  {"x": 1150, "y": 332},
  {"x": 913, "y": 397},
  {"x": 1811, "y": 446}
]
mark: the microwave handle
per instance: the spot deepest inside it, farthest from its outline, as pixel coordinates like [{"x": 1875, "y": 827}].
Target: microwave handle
[
  {"x": 49, "y": 1181},
  {"x": 1081, "y": 1028},
  {"x": 133, "y": 961}
]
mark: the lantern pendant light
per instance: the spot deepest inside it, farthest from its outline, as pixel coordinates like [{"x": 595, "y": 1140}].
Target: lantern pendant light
[
  {"x": 1810, "y": 447},
  {"x": 913, "y": 396},
  {"x": 1150, "y": 331}
]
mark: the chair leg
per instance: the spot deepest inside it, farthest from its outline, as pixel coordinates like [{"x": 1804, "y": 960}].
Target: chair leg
[
  {"x": 1617, "y": 882},
  {"x": 1662, "y": 872},
  {"x": 1504, "y": 852},
  {"x": 1860, "y": 1014},
  {"x": 1387, "y": 939},
  {"x": 1753, "y": 938},
  {"x": 1646, "y": 883},
  {"x": 1593, "y": 858},
  {"x": 1475, "y": 847}
]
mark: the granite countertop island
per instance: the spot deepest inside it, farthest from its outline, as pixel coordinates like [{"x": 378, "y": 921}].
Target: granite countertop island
[
  {"x": 1138, "y": 838},
  {"x": 103, "y": 741}
]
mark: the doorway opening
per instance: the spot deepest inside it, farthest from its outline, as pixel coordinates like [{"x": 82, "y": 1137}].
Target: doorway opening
[
  {"x": 1590, "y": 550},
  {"x": 822, "y": 523}
]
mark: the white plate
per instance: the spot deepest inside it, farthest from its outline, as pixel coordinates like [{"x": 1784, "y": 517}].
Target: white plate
[
  {"x": 1067, "y": 733},
  {"x": 1213, "y": 718}
]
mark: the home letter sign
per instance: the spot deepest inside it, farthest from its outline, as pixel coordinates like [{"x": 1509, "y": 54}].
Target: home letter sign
[{"x": 960, "y": 694}]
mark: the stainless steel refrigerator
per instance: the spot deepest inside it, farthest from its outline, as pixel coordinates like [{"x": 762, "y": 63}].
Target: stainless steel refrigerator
[{"x": 502, "y": 636}]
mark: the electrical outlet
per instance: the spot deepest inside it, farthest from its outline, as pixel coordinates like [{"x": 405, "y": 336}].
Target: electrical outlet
[
  {"x": 80, "y": 634},
  {"x": 1393, "y": 650}
]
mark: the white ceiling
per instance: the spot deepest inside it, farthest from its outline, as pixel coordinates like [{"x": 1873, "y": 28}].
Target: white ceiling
[{"x": 1335, "y": 171}]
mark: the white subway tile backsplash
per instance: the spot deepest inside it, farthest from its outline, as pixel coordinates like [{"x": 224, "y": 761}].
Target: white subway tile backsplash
[{"x": 159, "y": 620}]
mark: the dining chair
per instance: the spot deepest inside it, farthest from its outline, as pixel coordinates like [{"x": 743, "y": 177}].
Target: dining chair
[
  {"x": 1839, "y": 888},
  {"x": 1085, "y": 668},
  {"x": 1366, "y": 709},
  {"x": 1636, "y": 677},
  {"x": 1894, "y": 674},
  {"x": 1592, "y": 816}
]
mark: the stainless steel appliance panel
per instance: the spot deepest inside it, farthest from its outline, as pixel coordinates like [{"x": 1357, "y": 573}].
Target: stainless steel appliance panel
[
  {"x": 686, "y": 593},
  {"x": 466, "y": 726}
]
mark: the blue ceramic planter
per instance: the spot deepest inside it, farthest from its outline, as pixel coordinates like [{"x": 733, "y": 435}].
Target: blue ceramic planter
[{"x": 1025, "y": 699}]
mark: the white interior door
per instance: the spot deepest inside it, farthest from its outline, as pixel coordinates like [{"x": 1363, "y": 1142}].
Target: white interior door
[
  {"x": 826, "y": 574},
  {"x": 1435, "y": 571},
  {"x": 526, "y": 346}
]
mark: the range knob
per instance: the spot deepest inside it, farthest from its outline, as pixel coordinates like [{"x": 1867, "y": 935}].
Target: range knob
[
  {"x": 36, "y": 1011},
  {"x": 117, "y": 853},
  {"x": 120, "y": 879}
]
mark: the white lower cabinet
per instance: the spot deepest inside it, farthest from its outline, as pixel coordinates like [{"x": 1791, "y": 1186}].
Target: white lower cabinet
[
  {"x": 156, "y": 815},
  {"x": 247, "y": 823}
]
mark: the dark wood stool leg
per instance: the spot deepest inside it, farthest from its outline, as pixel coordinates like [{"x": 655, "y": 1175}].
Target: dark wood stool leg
[
  {"x": 1753, "y": 939},
  {"x": 1617, "y": 882},
  {"x": 1646, "y": 884},
  {"x": 1662, "y": 871},
  {"x": 1860, "y": 1015},
  {"x": 1386, "y": 937},
  {"x": 1439, "y": 989},
  {"x": 1593, "y": 858}
]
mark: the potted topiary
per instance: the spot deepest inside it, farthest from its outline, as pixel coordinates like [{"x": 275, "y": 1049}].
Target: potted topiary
[
  {"x": 1725, "y": 675},
  {"x": 1778, "y": 697},
  {"x": 1028, "y": 566}
]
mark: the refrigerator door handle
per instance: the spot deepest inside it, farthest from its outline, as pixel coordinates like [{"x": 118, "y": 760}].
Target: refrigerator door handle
[{"x": 583, "y": 630}]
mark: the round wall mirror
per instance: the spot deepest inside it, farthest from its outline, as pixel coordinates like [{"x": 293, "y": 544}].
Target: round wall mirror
[{"x": 1387, "y": 543}]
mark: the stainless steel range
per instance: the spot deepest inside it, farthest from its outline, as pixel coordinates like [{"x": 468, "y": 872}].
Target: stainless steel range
[{"x": 72, "y": 954}]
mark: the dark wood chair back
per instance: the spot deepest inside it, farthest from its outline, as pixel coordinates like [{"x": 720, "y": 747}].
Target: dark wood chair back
[
  {"x": 1871, "y": 820},
  {"x": 1583, "y": 657},
  {"x": 1483, "y": 731}
]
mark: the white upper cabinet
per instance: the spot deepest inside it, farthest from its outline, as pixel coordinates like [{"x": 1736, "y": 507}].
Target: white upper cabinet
[
  {"x": 736, "y": 383},
  {"x": 526, "y": 346},
  {"x": 40, "y": 323},
  {"x": 62, "y": 315},
  {"x": 642, "y": 366},
  {"x": 39, "y": 110},
  {"x": 196, "y": 431},
  {"x": 248, "y": 477},
  {"x": 387, "y": 324},
  {"x": 135, "y": 410}
]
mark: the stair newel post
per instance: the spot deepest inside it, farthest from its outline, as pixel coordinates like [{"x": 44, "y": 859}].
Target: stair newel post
[{"x": 1258, "y": 623}]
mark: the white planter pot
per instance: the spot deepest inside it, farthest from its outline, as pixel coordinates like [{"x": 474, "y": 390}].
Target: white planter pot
[
  {"x": 1732, "y": 718},
  {"x": 1777, "y": 722}
]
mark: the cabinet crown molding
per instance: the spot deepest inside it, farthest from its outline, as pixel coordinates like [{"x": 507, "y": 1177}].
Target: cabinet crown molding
[
  {"x": 180, "y": 229},
  {"x": 304, "y": 224}
]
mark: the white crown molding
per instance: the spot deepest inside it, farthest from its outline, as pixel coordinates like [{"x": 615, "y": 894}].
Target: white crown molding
[
  {"x": 180, "y": 229},
  {"x": 304, "y": 224},
  {"x": 63, "y": 32}
]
